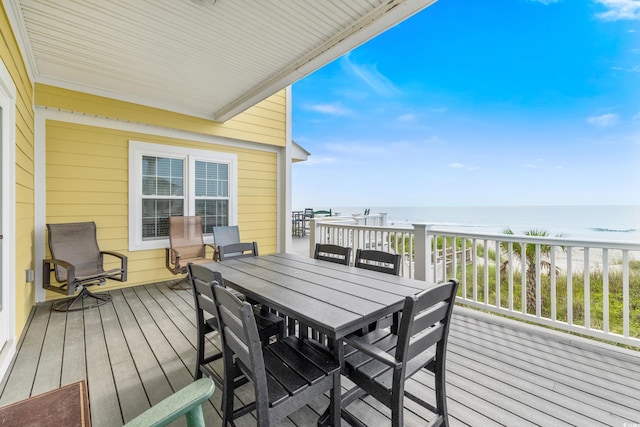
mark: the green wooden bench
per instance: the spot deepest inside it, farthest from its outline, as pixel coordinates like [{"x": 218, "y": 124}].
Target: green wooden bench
[{"x": 187, "y": 401}]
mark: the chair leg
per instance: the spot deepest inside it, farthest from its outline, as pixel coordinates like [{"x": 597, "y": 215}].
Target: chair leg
[
  {"x": 181, "y": 285},
  {"x": 77, "y": 303}
]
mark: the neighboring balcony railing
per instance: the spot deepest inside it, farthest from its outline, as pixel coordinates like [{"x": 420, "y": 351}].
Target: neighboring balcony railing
[{"x": 587, "y": 287}]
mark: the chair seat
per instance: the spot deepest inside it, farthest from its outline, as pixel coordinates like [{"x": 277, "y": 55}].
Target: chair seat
[
  {"x": 292, "y": 365},
  {"x": 358, "y": 364}
]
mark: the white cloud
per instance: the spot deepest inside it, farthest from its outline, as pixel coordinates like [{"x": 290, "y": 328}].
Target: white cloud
[
  {"x": 456, "y": 165},
  {"x": 311, "y": 161},
  {"x": 604, "y": 120},
  {"x": 636, "y": 117},
  {"x": 545, "y": 2},
  {"x": 406, "y": 118},
  {"x": 355, "y": 148},
  {"x": 370, "y": 75},
  {"x": 335, "y": 109},
  {"x": 619, "y": 9}
]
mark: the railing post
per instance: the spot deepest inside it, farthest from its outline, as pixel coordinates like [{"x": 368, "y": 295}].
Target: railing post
[
  {"x": 383, "y": 219},
  {"x": 422, "y": 267},
  {"x": 313, "y": 232}
]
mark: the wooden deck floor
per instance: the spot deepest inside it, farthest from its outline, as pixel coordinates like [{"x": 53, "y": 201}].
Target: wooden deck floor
[{"x": 141, "y": 348}]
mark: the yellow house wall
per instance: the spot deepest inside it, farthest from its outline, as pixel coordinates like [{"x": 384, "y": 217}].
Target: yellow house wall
[
  {"x": 264, "y": 123},
  {"x": 24, "y": 190},
  {"x": 87, "y": 180}
]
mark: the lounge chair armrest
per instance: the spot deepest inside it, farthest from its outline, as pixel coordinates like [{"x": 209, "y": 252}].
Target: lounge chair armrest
[
  {"x": 115, "y": 254},
  {"x": 358, "y": 343},
  {"x": 213, "y": 248},
  {"x": 124, "y": 261},
  {"x": 186, "y": 401},
  {"x": 46, "y": 274}
]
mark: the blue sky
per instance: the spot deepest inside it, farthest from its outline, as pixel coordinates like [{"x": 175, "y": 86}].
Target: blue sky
[{"x": 510, "y": 102}]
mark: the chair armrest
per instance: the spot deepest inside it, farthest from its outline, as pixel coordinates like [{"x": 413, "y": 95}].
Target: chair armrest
[
  {"x": 371, "y": 350},
  {"x": 115, "y": 254},
  {"x": 124, "y": 260},
  {"x": 46, "y": 275},
  {"x": 214, "y": 250},
  {"x": 186, "y": 401}
]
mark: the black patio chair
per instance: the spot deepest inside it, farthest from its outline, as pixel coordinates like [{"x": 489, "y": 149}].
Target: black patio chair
[
  {"x": 202, "y": 280},
  {"x": 333, "y": 253},
  {"x": 379, "y": 362},
  {"x": 286, "y": 375},
  {"x": 79, "y": 263},
  {"x": 237, "y": 250},
  {"x": 383, "y": 262}
]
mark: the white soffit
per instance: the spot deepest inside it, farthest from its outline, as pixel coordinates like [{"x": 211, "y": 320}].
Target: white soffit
[{"x": 202, "y": 58}]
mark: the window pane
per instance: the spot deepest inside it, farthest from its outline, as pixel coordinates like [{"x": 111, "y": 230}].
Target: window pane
[
  {"x": 148, "y": 185},
  {"x": 155, "y": 214},
  {"x": 223, "y": 171},
  {"x": 201, "y": 187},
  {"x": 163, "y": 187},
  {"x": 164, "y": 167},
  {"x": 213, "y": 213},
  {"x": 148, "y": 165},
  {"x": 176, "y": 168},
  {"x": 177, "y": 188},
  {"x": 201, "y": 170}
]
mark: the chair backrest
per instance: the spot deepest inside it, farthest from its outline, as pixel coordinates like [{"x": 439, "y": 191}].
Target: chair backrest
[
  {"x": 425, "y": 322},
  {"x": 238, "y": 250},
  {"x": 225, "y": 235},
  {"x": 240, "y": 338},
  {"x": 202, "y": 281},
  {"x": 333, "y": 253},
  {"x": 185, "y": 232},
  {"x": 383, "y": 262},
  {"x": 77, "y": 244}
]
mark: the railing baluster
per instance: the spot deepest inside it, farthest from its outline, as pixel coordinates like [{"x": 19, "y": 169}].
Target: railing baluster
[
  {"x": 587, "y": 290},
  {"x": 625, "y": 293},
  {"x": 538, "y": 282},
  {"x": 569, "y": 287},
  {"x": 553, "y": 283},
  {"x": 523, "y": 272},
  {"x": 605, "y": 290}
]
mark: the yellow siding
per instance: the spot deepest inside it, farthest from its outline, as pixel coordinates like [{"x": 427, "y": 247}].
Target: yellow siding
[
  {"x": 264, "y": 123},
  {"x": 87, "y": 180},
  {"x": 24, "y": 229}
]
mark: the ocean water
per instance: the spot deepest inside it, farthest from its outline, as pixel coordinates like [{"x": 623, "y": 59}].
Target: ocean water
[{"x": 609, "y": 223}]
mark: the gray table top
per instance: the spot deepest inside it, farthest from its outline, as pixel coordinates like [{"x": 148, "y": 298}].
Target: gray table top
[{"x": 331, "y": 298}]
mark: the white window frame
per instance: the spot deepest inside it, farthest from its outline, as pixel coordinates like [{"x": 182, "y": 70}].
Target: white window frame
[{"x": 137, "y": 150}]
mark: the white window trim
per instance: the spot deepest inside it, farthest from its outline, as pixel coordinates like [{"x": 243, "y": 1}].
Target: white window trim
[{"x": 138, "y": 149}]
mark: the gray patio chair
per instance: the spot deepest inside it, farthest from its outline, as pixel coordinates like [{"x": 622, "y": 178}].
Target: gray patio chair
[
  {"x": 78, "y": 263},
  {"x": 186, "y": 245},
  {"x": 379, "y": 362},
  {"x": 225, "y": 235},
  {"x": 286, "y": 375},
  {"x": 333, "y": 253},
  {"x": 202, "y": 280}
]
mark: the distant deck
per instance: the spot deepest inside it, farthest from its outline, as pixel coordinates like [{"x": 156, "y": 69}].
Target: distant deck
[{"x": 141, "y": 348}]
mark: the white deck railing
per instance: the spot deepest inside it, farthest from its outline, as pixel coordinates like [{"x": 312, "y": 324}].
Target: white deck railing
[{"x": 587, "y": 287}]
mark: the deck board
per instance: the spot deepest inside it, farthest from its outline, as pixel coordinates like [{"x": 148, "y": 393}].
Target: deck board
[{"x": 141, "y": 348}]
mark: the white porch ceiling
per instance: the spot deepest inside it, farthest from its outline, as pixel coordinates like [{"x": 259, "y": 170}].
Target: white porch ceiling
[{"x": 202, "y": 58}]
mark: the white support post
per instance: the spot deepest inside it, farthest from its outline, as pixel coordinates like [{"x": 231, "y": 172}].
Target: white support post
[
  {"x": 313, "y": 232},
  {"x": 422, "y": 264}
]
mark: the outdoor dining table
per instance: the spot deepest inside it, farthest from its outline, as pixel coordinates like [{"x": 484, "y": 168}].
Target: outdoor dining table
[{"x": 332, "y": 299}]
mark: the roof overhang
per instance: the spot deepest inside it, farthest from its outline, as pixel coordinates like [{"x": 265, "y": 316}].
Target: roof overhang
[{"x": 205, "y": 58}]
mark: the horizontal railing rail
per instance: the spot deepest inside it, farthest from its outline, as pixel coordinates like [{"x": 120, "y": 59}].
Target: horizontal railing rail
[{"x": 582, "y": 286}]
